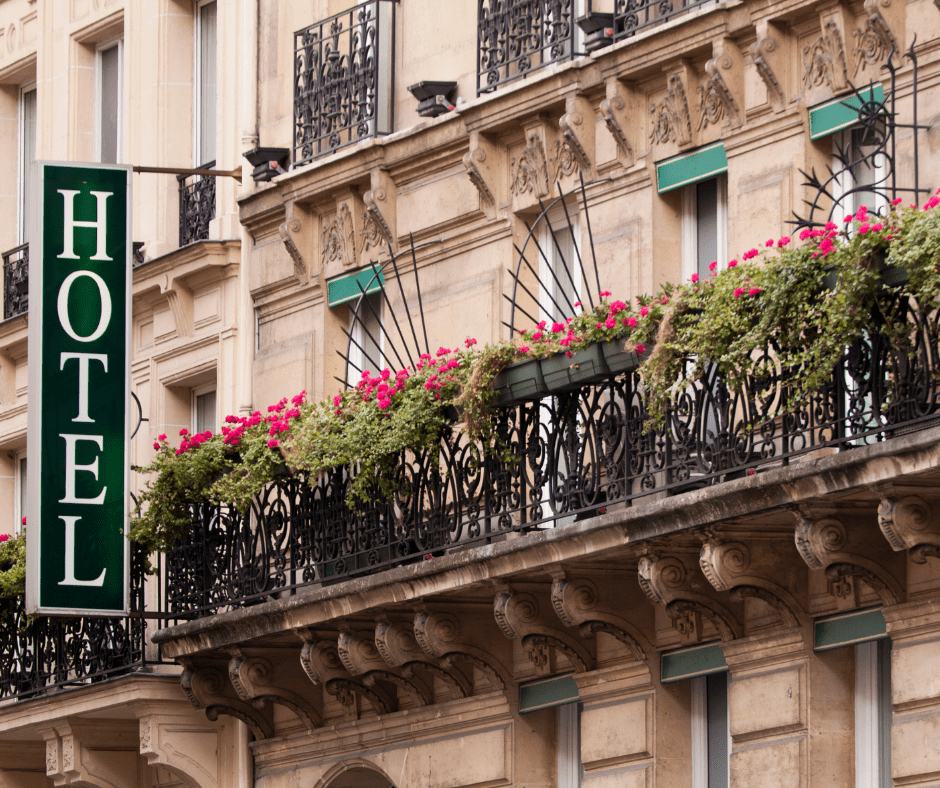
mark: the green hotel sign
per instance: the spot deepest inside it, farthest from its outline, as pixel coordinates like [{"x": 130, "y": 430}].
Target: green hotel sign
[{"x": 78, "y": 558}]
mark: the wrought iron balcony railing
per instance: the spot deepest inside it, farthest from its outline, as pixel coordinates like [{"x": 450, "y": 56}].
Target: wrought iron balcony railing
[
  {"x": 518, "y": 37},
  {"x": 632, "y": 16},
  {"x": 197, "y": 205},
  {"x": 343, "y": 77},
  {"x": 41, "y": 654},
  {"x": 16, "y": 281},
  {"x": 576, "y": 452}
]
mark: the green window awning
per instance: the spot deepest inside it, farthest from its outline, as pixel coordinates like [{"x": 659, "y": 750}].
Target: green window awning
[
  {"x": 687, "y": 663},
  {"x": 546, "y": 693},
  {"x": 840, "y": 113},
  {"x": 691, "y": 167},
  {"x": 344, "y": 289},
  {"x": 860, "y": 626}
]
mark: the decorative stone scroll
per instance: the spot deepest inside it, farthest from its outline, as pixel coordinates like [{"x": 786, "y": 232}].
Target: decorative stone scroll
[
  {"x": 670, "y": 118},
  {"x": 824, "y": 60}
]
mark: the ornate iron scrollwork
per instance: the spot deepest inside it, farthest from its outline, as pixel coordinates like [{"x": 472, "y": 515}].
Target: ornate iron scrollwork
[
  {"x": 197, "y": 205},
  {"x": 16, "y": 281}
]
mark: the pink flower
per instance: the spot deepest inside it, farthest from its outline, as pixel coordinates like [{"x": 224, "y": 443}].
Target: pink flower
[
  {"x": 23, "y": 521},
  {"x": 184, "y": 431},
  {"x": 933, "y": 202},
  {"x": 524, "y": 349},
  {"x": 862, "y": 213},
  {"x": 384, "y": 403},
  {"x": 693, "y": 278},
  {"x": 664, "y": 300},
  {"x": 733, "y": 263},
  {"x": 541, "y": 325},
  {"x": 750, "y": 471},
  {"x": 783, "y": 242},
  {"x": 644, "y": 311},
  {"x": 769, "y": 242},
  {"x": 469, "y": 342},
  {"x": 864, "y": 228},
  {"x": 641, "y": 349},
  {"x": 617, "y": 306},
  {"x": 577, "y": 303},
  {"x": 156, "y": 446},
  {"x": 897, "y": 201},
  {"x": 161, "y": 436},
  {"x": 442, "y": 351},
  {"x": 739, "y": 292},
  {"x": 558, "y": 327},
  {"x": 712, "y": 265},
  {"x": 631, "y": 321},
  {"x": 605, "y": 293},
  {"x": 4, "y": 537},
  {"x": 298, "y": 398},
  {"x": 848, "y": 219},
  {"x": 876, "y": 228},
  {"x": 537, "y": 336},
  {"x": 386, "y": 374},
  {"x": 753, "y": 291},
  {"x": 610, "y": 322},
  {"x": 272, "y": 444},
  {"x": 804, "y": 233}
]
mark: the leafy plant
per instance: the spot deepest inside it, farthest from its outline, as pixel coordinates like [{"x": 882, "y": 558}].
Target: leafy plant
[{"x": 12, "y": 566}]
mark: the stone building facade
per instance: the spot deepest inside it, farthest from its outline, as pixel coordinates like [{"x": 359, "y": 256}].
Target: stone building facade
[{"x": 704, "y": 625}]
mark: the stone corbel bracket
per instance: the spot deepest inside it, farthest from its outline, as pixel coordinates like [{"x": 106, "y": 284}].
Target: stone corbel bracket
[
  {"x": 379, "y": 217},
  {"x": 725, "y": 78},
  {"x": 575, "y": 148},
  {"x": 323, "y": 665},
  {"x": 768, "y": 58},
  {"x": 181, "y": 742},
  {"x": 206, "y": 689},
  {"x": 910, "y": 523},
  {"x": 520, "y": 618},
  {"x": 396, "y": 643},
  {"x": 103, "y": 755},
  {"x": 666, "y": 581},
  {"x": 441, "y": 635},
  {"x": 531, "y": 172},
  {"x": 618, "y": 113},
  {"x": 298, "y": 233},
  {"x": 254, "y": 681},
  {"x": 361, "y": 657},
  {"x": 876, "y": 39},
  {"x": 822, "y": 542},
  {"x": 180, "y": 298},
  {"x": 581, "y": 603},
  {"x": 482, "y": 165},
  {"x": 750, "y": 573}
]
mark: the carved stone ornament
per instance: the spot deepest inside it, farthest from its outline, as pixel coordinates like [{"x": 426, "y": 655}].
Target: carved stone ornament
[
  {"x": 670, "y": 118},
  {"x": 660, "y": 577},
  {"x": 720, "y": 563},
  {"x": 824, "y": 60},
  {"x": 541, "y": 647},
  {"x": 375, "y": 230},
  {"x": 759, "y": 51},
  {"x": 513, "y": 611},
  {"x": 399, "y": 648},
  {"x": 788, "y": 616},
  {"x": 530, "y": 170},
  {"x": 473, "y": 163},
  {"x": 206, "y": 689},
  {"x": 253, "y": 680},
  {"x": 570, "y": 153},
  {"x": 439, "y": 635},
  {"x": 610, "y": 108},
  {"x": 838, "y": 576},
  {"x": 339, "y": 239},
  {"x": 287, "y": 231},
  {"x": 715, "y": 102},
  {"x": 908, "y": 522},
  {"x": 873, "y": 41},
  {"x": 686, "y": 615},
  {"x": 815, "y": 539}
]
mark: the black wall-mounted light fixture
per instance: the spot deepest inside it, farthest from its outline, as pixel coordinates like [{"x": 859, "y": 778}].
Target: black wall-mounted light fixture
[
  {"x": 433, "y": 97},
  {"x": 598, "y": 30},
  {"x": 268, "y": 163}
]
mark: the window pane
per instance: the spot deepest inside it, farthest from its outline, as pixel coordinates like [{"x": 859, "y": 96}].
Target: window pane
[
  {"x": 706, "y": 225},
  {"x": 109, "y": 87},
  {"x": 22, "y": 491},
  {"x": 717, "y": 694},
  {"x": 27, "y": 157},
  {"x": 207, "y": 83},
  {"x": 205, "y": 412},
  {"x": 371, "y": 345}
]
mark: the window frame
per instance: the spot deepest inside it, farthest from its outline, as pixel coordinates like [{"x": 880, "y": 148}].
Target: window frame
[
  {"x": 549, "y": 259},
  {"x": 568, "y": 745},
  {"x": 196, "y": 393},
  {"x": 702, "y": 750},
  {"x": 100, "y": 49},
  {"x": 846, "y": 179},
  {"x": 873, "y": 713},
  {"x": 19, "y": 490},
  {"x": 23, "y": 166},
  {"x": 357, "y": 358}
]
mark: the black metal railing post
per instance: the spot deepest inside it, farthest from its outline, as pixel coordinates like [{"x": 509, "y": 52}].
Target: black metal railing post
[
  {"x": 16, "y": 281},
  {"x": 197, "y": 205},
  {"x": 343, "y": 78}
]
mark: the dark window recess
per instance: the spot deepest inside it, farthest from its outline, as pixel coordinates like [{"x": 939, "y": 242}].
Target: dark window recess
[
  {"x": 518, "y": 37},
  {"x": 343, "y": 74},
  {"x": 197, "y": 205},
  {"x": 16, "y": 281}
]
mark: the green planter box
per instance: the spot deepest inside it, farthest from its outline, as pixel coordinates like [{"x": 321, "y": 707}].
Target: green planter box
[
  {"x": 583, "y": 368},
  {"x": 891, "y": 275},
  {"x": 619, "y": 360},
  {"x": 519, "y": 382}
]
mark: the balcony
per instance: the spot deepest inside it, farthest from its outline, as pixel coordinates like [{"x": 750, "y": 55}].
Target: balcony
[
  {"x": 516, "y": 38},
  {"x": 632, "y": 16},
  {"x": 16, "y": 281},
  {"x": 579, "y": 453},
  {"x": 343, "y": 75},
  {"x": 197, "y": 205}
]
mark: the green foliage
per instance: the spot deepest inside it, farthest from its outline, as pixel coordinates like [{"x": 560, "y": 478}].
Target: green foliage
[{"x": 13, "y": 567}]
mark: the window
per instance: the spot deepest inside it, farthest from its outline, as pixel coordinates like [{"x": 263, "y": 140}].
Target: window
[
  {"x": 205, "y": 109},
  {"x": 873, "y": 714},
  {"x": 27, "y": 155},
  {"x": 109, "y": 86},
  {"x": 711, "y": 737},
  {"x": 559, "y": 264},
  {"x": 19, "y": 485},
  {"x": 365, "y": 327},
  {"x": 704, "y": 226},
  {"x": 866, "y": 168},
  {"x": 204, "y": 409}
]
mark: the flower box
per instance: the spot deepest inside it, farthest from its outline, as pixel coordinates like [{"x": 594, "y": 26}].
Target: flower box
[
  {"x": 520, "y": 382},
  {"x": 583, "y": 368},
  {"x": 619, "y": 360},
  {"x": 891, "y": 275}
]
